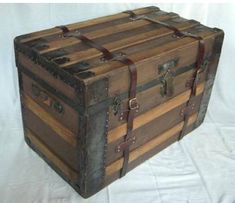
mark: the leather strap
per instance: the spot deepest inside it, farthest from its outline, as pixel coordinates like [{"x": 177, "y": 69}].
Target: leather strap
[
  {"x": 199, "y": 62},
  {"x": 63, "y": 28},
  {"x": 131, "y": 13},
  {"x": 107, "y": 54},
  {"x": 133, "y": 106},
  {"x": 132, "y": 103}
]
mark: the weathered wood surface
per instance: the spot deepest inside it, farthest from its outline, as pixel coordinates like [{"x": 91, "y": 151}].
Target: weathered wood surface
[
  {"x": 71, "y": 174},
  {"x": 74, "y": 142},
  {"x": 68, "y": 116}
]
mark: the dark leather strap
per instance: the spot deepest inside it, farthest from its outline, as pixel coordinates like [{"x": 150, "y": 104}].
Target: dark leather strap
[
  {"x": 199, "y": 62},
  {"x": 107, "y": 54},
  {"x": 131, "y": 13},
  {"x": 133, "y": 105},
  {"x": 63, "y": 28}
]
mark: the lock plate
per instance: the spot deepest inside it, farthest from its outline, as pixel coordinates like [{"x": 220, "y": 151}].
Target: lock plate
[
  {"x": 167, "y": 76},
  {"x": 169, "y": 65},
  {"x": 167, "y": 88}
]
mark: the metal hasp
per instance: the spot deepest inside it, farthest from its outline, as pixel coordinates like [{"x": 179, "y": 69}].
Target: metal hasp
[{"x": 167, "y": 76}]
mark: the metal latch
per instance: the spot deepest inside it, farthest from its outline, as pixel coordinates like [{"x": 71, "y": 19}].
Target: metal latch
[
  {"x": 167, "y": 76},
  {"x": 167, "y": 88}
]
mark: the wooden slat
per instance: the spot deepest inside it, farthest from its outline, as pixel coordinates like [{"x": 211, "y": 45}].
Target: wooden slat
[
  {"x": 39, "y": 145},
  {"x": 126, "y": 42},
  {"x": 64, "y": 42},
  {"x": 62, "y": 131},
  {"x": 151, "y": 54},
  {"x": 74, "y": 26},
  {"x": 156, "y": 98},
  {"x": 144, "y": 118},
  {"x": 117, "y": 165}
]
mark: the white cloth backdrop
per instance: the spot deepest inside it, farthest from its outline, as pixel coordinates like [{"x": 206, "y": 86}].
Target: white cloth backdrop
[{"x": 199, "y": 169}]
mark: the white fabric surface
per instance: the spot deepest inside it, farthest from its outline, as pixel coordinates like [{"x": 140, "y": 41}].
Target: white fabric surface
[{"x": 199, "y": 169}]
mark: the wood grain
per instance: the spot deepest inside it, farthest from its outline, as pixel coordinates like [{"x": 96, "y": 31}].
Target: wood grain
[
  {"x": 177, "y": 48},
  {"x": 148, "y": 116},
  {"x": 74, "y": 26},
  {"x": 117, "y": 165},
  {"x": 71, "y": 174},
  {"x": 155, "y": 95},
  {"x": 125, "y": 42},
  {"x": 64, "y": 42},
  {"x": 62, "y": 131},
  {"x": 68, "y": 118}
]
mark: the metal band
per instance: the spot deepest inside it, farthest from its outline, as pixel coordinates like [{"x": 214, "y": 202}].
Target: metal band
[
  {"x": 133, "y": 104},
  {"x": 199, "y": 62}
]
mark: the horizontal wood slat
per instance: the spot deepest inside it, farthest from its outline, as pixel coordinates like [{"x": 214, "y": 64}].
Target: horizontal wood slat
[
  {"x": 126, "y": 42},
  {"x": 153, "y": 54},
  {"x": 146, "y": 117},
  {"x": 41, "y": 73},
  {"x": 39, "y": 145},
  {"x": 64, "y": 42},
  {"x": 68, "y": 117},
  {"x": 86, "y": 23},
  {"x": 154, "y": 93},
  {"x": 117, "y": 165},
  {"x": 62, "y": 131}
]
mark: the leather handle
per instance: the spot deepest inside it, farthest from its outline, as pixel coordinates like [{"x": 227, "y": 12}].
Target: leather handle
[{"x": 44, "y": 98}]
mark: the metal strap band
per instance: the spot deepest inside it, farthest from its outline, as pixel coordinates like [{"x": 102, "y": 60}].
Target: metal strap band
[
  {"x": 133, "y": 105},
  {"x": 199, "y": 62}
]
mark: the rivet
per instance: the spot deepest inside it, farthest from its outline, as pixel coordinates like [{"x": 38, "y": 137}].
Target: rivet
[{"x": 121, "y": 118}]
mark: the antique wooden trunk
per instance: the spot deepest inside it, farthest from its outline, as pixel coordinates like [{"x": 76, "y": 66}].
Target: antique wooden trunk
[{"x": 100, "y": 97}]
